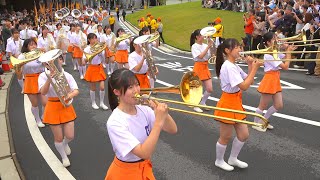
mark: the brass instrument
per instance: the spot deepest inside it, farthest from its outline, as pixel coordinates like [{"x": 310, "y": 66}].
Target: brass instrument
[
  {"x": 62, "y": 40},
  {"x": 208, "y": 32},
  {"x": 89, "y": 12},
  {"x": 118, "y": 40},
  {"x": 28, "y": 57},
  {"x": 59, "y": 14},
  {"x": 144, "y": 41},
  {"x": 51, "y": 44},
  {"x": 302, "y": 37},
  {"x": 76, "y": 13},
  {"x": 95, "y": 50},
  {"x": 55, "y": 73},
  {"x": 190, "y": 89}
]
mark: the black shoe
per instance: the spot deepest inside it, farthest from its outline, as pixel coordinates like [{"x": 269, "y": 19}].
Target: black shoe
[{"x": 309, "y": 73}]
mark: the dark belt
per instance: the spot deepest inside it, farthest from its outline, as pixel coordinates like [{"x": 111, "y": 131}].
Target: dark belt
[{"x": 131, "y": 161}]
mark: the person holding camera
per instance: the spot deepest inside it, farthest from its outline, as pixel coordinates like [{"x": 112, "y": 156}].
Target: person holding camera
[
  {"x": 248, "y": 27},
  {"x": 259, "y": 26}
]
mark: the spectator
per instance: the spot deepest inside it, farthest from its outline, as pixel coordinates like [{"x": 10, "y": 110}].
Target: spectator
[
  {"x": 160, "y": 30},
  {"x": 259, "y": 26},
  {"x": 111, "y": 22},
  {"x": 219, "y": 33},
  {"x": 118, "y": 13},
  {"x": 6, "y": 32},
  {"x": 248, "y": 28},
  {"x": 124, "y": 15}
]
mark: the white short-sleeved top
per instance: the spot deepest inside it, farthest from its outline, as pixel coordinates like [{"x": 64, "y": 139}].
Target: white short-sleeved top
[
  {"x": 99, "y": 36},
  {"x": 9, "y": 40},
  {"x": 133, "y": 61},
  {"x": 67, "y": 28},
  {"x": 89, "y": 30},
  {"x": 76, "y": 38},
  {"x": 123, "y": 45},
  {"x": 14, "y": 47},
  {"x": 51, "y": 93},
  {"x": 108, "y": 39},
  {"x": 197, "y": 49},
  {"x": 69, "y": 36},
  {"x": 28, "y": 33},
  {"x": 231, "y": 75},
  {"x": 97, "y": 59},
  {"x": 33, "y": 67},
  {"x": 272, "y": 65},
  {"x": 127, "y": 131},
  {"x": 46, "y": 42}
]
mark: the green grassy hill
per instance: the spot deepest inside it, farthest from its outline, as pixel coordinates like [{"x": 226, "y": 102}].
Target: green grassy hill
[{"x": 180, "y": 20}]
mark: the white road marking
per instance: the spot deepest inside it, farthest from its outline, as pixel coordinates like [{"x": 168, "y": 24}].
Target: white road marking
[
  {"x": 280, "y": 115},
  {"x": 51, "y": 159}
]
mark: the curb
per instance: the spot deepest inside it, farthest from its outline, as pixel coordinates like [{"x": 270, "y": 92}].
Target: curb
[{"x": 165, "y": 45}]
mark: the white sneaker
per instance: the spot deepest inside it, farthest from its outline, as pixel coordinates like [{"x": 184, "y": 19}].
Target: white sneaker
[
  {"x": 206, "y": 109},
  {"x": 197, "y": 109},
  {"x": 104, "y": 66},
  {"x": 75, "y": 68},
  {"x": 40, "y": 124},
  {"x": 269, "y": 126},
  {"x": 66, "y": 162},
  {"x": 67, "y": 149},
  {"x": 81, "y": 77},
  {"x": 104, "y": 107},
  {"x": 22, "y": 91},
  {"x": 223, "y": 165},
  {"x": 259, "y": 128},
  {"x": 95, "y": 106},
  {"x": 238, "y": 163}
]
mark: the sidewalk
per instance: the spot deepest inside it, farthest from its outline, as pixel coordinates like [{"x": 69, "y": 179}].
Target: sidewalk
[
  {"x": 8, "y": 169},
  {"x": 169, "y": 2}
]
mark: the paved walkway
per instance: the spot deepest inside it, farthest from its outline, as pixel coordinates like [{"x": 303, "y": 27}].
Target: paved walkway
[{"x": 169, "y": 2}]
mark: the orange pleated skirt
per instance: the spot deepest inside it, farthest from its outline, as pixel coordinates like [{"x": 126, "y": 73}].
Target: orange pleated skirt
[
  {"x": 122, "y": 56},
  {"x": 70, "y": 49},
  {"x": 270, "y": 83},
  {"x": 77, "y": 52},
  {"x": 119, "y": 170},
  {"x": 95, "y": 73},
  {"x": 143, "y": 80},
  {"x": 55, "y": 113},
  {"x": 202, "y": 70},
  {"x": 31, "y": 84},
  {"x": 230, "y": 101},
  {"x": 108, "y": 53}
]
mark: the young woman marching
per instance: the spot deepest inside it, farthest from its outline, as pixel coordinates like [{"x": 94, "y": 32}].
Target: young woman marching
[
  {"x": 31, "y": 72},
  {"x": 60, "y": 118},
  {"x": 60, "y": 36},
  {"x": 80, "y": 40},
  {"x": 46, "y": 41},
  {"x": 133, "y": 129},
  {"x": 270, "y": 87},
  {"x": 121, "y": 56},
  {"x": 109, "y": 37},
  {"x": 201, "y": 54},
  {"x": 95, "y": 73},
  {"x": 70, "y": 50},
  {"x": 233, "y": 81}
]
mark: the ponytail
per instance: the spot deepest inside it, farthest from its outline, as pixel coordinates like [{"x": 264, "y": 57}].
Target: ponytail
[
  {"x": 131, "y": 45},
  {"x": 112, "y": 98},
  {"x": 193, "y": 36}
]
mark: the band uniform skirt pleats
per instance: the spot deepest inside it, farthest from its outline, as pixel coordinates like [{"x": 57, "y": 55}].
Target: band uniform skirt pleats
[
  {"x": 108, "y": 53},
  {"x": 31, "y": 84},
  {"x": 230, "y": 101},
  {"x": 70, "y": 49},
  {"x": 143, "y": 80},
  {"x": 122, "y": 56},
  {"x": 55, "y": 113},
  {"x": 119, "y": 170},
  {"x": 77, "y": 52},
  {"x": 270, "y": 83},
  {"x": 95, "y": 73},
  {"x": 202, "y": 70}
]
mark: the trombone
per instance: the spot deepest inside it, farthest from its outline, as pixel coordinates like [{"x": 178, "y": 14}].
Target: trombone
[{"x": 190, "y": 90}]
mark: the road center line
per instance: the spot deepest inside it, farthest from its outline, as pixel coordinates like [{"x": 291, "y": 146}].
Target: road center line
[
  {"x": 51, "y": 159},
  {"x": 280, "y": 115}
]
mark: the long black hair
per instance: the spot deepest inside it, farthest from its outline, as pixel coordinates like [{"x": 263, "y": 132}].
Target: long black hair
[
  {"x": 193, "y": 36},
  {"x": 267, "y": 37},
  {"x": 120, "y": 29},
  {"x": 143, "y": 30},
  {"x": 26, "y": 42},
  {"x": 227, "y": 44},
  {"x": 120, "y": 79},
  {"x": 91, "y": 36},
  {"x": 131, "y": 45}
]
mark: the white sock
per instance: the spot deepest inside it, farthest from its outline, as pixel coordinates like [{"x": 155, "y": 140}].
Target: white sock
[
  {"x": 151, "y": 80},
  {"x": 102, "y": 93},
  {"x": 60, "y": 149},
  {"x": 256, "y": 119},
  {"x": 236, "y": 148},
  {"x": 80, "y": 70},
  {"x": 20, "y": 81},
  {"x": 84, "y": 70},
  {"x": 112, "y": 67},
  {"x": 220, "y": 150},
  {"x": 77, "y": 64},
  {"x": 35, "y": 112},
  {"x": 66, "y": 145},
  {"x": 205, "y": 96},
  {"x": 43, "y": 107},
  {"x": 270, "y": 111},
  {"x": 93, "y": 97},
  {"x": 73, "y": 62},
  {"x": 107, "y": 67}
]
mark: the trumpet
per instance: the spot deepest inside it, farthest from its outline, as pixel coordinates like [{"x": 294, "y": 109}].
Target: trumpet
[{"x": 190, "y": 90}]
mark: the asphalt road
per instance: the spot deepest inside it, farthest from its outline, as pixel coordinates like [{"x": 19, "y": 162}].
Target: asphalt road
[{"x": 290, "y": 151}]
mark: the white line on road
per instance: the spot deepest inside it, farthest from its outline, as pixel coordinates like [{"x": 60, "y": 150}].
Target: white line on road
[
  {"x": 51, "y": 159},
  {"x": 280, "y": 115}
]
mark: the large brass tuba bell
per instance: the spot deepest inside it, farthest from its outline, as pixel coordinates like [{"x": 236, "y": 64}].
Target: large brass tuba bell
[
  {"x": 76, "y": 13},
  {"x": 29, "y": 56}
]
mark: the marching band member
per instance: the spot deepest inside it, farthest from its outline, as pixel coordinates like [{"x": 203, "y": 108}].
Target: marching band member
[
  {"x": 60, "y": 118},
  {"x": 201, "y": 54},
  {"x": 24, "y": 33},
  {"x": 70, "y": 50},
  {"x": 109, "y": 37},
  {"x": 95, "y": 73},
  {"x": 233, "y": 81},
  {"x": 14, "y": 49},
  {"x": 87, "y": 26},
  {"x": 138, "y": 64},
  {"x": 31, "y": 73},
  {"x": 79, "y": 40},
  {"x": 133, "y": 129},
  {"x": 270, "y": 87},
  {"x": 46, "y": 41},
  {"x": 58, "y": 33},
  {"x": 121, "y": 56},
  {"x": 100, "y": 36}
]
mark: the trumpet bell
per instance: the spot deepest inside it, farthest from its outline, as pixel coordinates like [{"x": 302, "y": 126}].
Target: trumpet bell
[
  {"x": 58, "y": 14},
  {"x": 142, "y": 39},
  {"x": 95, "y": 50},
  {"x": 30, "y": 56},
  {"x": 76, "y": 13},
  {"x": 123, "y": 37},
  {"x": 208, "y": 31}
]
